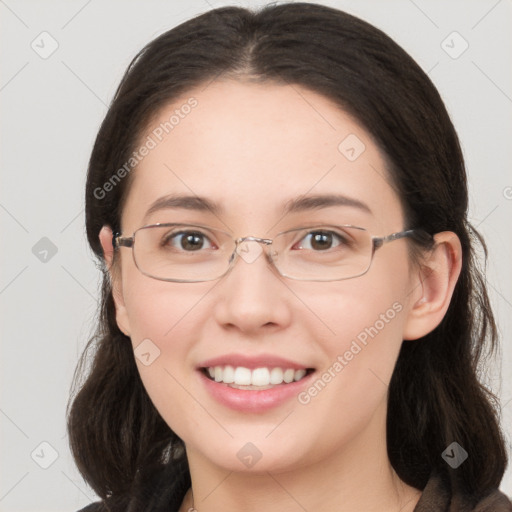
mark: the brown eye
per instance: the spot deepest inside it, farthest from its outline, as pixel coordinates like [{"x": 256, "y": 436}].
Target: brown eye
[
  {"x": 321, "y": 241},
  {"x": 187, "y": 241}
]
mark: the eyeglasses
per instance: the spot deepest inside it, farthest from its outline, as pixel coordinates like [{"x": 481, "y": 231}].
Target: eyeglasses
[{"x": 188, "y": 253}]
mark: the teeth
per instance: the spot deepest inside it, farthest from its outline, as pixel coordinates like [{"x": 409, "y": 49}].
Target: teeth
[
  {"x": 228, "y": 376},
  {"x": 259, "y": 377},
  {"x": 276, "y": 376},
  {"x": 288, "y": 376},
  {"x": 299, "y": 374},
  {"x": 242, "y": 375}
]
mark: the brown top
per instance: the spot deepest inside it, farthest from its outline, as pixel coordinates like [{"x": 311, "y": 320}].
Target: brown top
[{"x": 436, "y": 497}]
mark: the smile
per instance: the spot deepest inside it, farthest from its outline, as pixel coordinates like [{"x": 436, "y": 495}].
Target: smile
[{"x": 240, "y": 377}]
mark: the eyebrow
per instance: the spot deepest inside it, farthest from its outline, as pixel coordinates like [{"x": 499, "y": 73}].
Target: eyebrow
[
  {"x": 306, "y": 203},
  {"x": 196, "y": 203},
  {"x": 301, "y": 204}
]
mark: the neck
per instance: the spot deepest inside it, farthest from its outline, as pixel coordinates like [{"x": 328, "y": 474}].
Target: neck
[{"x": 356, "y": 477}]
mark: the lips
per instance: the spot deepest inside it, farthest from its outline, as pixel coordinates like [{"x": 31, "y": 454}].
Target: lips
[
  {"x": 252, "y": 362},
  {"x": 253, "y": 384}
]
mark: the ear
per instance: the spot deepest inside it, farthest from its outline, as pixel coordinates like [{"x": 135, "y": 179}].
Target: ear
[
  {"x": 115, "y": 279},
  {"x": 436, "y": 280}
]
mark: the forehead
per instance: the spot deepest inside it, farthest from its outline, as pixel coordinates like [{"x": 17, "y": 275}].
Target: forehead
[{"x": 252, "y": 148}]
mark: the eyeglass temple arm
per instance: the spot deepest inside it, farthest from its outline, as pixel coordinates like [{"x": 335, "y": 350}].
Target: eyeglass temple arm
[
  {"x": 120, "y": 241},
  {"x": 418, "y": 234}
]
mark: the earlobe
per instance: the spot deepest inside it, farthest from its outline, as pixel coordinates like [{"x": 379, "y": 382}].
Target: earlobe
[
  {"x": 105, "y": 237},
  {"x": 436, "y": 280}
]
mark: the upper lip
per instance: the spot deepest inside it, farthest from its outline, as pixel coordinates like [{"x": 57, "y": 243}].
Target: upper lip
[{"x": 252, "y": 362}]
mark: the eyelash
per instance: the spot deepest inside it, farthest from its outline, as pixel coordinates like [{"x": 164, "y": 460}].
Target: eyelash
[
  {"x": 342, "y": 240},
  {"x": 171, "y": 236}
]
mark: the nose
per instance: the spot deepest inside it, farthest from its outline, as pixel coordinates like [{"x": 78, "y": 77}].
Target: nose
[{"x": 252, "y": 296}]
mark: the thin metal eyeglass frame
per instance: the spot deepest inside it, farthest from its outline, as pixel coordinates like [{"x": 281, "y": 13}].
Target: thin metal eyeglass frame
[{"x": 377, "y": 242}]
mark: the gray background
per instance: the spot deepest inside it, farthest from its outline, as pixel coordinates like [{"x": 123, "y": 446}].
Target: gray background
[{"x": 51, "y": 111}]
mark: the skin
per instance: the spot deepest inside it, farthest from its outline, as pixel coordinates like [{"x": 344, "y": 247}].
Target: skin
[{"x": 251, "y": 148}]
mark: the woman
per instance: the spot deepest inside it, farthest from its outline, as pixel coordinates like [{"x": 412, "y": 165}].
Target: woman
[{"x": 292, "y": 313}]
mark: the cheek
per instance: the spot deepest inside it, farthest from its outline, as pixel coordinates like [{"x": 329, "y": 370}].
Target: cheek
[
  {"x": 157, "y": 309},
  {"x": 358, "y": 309},
  {"x": 163, "y": 319},
  {"x": 362, "y": 323},
  {"x": 361, "y": 354},
  {"x": 159, "y": 318},
  {"x": 368, "y": 349}
]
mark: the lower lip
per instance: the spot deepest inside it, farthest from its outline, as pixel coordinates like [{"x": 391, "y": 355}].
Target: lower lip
[{"x": 253, "y": 400}]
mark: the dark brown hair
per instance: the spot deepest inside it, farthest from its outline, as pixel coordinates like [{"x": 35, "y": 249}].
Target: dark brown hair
[{"x": 117, "y": 437}]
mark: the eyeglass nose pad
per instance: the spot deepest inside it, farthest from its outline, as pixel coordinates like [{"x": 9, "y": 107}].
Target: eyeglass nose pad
[{"x": 249, "y": 250}]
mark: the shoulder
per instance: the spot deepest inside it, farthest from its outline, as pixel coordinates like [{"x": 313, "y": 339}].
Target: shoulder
[
  {"x": 494, "y": 502},
  {"x": 97, "y": 506},
  {"x": 438, "y": 497}
]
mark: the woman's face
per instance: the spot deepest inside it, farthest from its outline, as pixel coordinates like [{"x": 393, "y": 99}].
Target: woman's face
[{"x": 251, "y": 150}]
